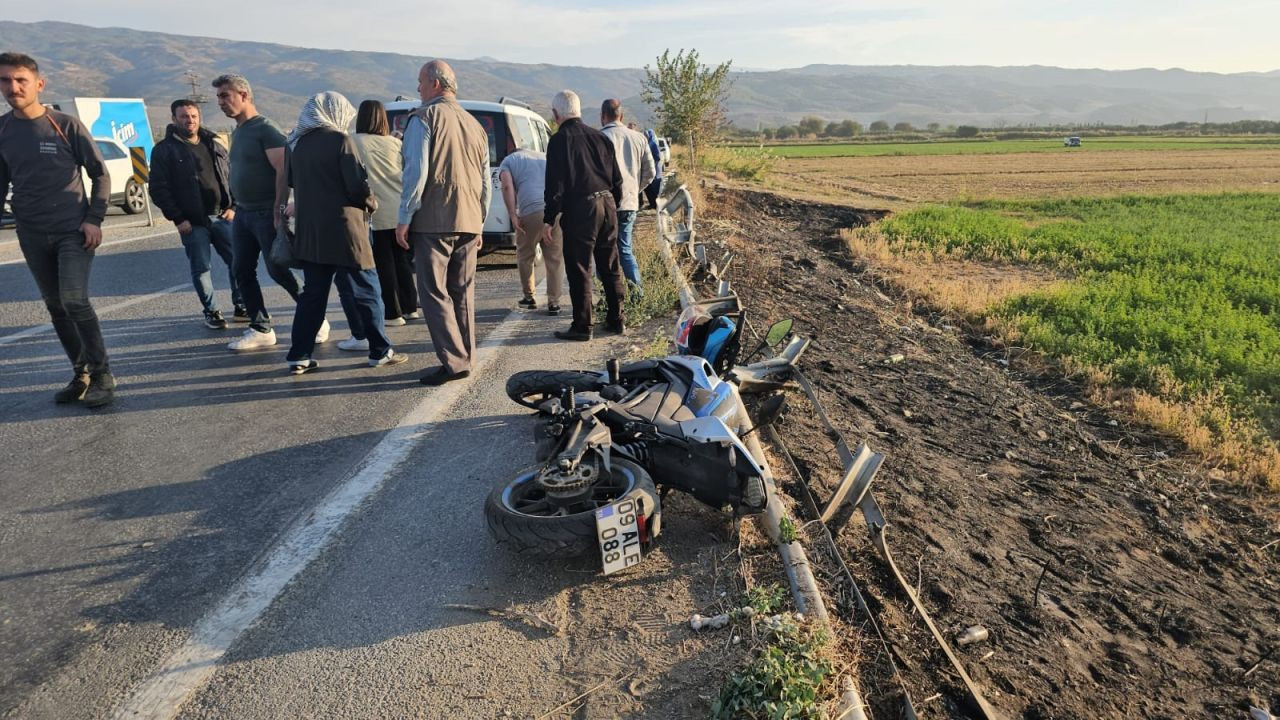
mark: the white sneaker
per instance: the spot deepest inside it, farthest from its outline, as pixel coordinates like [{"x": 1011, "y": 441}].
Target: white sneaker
[
  {"x": 353, "y": 344},
  {"x": 391, "y": 357},
  {"x": 395, "y": 322},
  {"x": 322, "y": 335},
  {"x": 253, "y": 339},
  {"x": 415, "y": 315}
]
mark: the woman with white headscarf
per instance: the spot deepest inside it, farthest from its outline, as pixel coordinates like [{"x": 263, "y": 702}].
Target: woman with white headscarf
[{"x": 332, "y": 201}]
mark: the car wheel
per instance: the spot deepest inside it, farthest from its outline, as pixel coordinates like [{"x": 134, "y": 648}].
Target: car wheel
[{"x": 135, "y": 198}]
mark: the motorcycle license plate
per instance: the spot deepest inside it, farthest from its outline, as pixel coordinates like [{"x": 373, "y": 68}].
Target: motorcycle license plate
[{"x": 618, "y": 531}]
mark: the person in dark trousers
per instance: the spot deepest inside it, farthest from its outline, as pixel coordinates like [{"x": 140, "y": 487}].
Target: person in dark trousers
[
  {"x": 654, "y": 188},
  {"x": 259, "y": 189},
  {"x": 584, "y": 187},
  {"x": 59, "y": 224},
  {"x": 381, "y": 155},
  {"x": 190, "y": 183},
  {"x": 332, "y": 200}
]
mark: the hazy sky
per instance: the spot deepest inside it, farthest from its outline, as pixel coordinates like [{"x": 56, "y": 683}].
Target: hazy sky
[{"x": 1223, "y": 36}]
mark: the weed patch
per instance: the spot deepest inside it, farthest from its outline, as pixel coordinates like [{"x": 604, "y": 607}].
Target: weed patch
[{"x": 785, "y": 680}]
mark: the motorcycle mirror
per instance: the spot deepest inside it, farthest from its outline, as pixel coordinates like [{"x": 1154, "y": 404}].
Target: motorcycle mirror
[
  {"x": 770, "y": 410},
  {"x": 778, "y": 331}
]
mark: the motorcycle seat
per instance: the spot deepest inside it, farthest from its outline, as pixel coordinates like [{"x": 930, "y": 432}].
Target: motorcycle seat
[{"x": 660, "y": 402}]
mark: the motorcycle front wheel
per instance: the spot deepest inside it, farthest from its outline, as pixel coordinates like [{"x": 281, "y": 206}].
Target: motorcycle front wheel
[
  {"x": 522, "y": 517},
  {"x": 531, "y": 387}
]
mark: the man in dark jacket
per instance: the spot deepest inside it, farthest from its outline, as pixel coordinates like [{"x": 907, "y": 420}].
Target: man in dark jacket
[
  {"x": 584, "y": 187},
  {"x": 190, "y": 184}
]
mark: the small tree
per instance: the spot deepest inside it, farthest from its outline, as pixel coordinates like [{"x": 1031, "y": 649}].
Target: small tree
[
  {"x": 786, "y": 131},
  {"x": 933, "y": 127},
  {"x": 966, "y": 131},
  {"x": 812, "y": 125},
  {"x": 688, "y": 98},
  {"x": 767, "y": 133},
  {"x": 833, "y": 129},
  {"x": 879, "y": 126},
  {"x": 849, "y": 128},
  {"x": 903, "y": 127}
]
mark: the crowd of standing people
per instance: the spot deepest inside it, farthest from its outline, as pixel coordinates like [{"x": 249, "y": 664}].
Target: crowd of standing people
[{"x": 395, "y": 223}]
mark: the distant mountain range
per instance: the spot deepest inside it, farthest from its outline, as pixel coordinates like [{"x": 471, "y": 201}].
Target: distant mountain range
[{"x": 115, "y": 62}]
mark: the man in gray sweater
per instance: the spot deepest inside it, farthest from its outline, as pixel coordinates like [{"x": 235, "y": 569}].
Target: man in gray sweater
[{"x": 59, "y": 225}]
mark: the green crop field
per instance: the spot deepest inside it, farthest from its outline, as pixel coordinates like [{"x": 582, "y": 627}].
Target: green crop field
[
  {"x": 1183, "y": 288},
  {"x": 1000, "y": 147}
]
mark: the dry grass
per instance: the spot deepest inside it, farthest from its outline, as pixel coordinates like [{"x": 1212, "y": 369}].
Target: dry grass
[
  {"x": 902, "y": 182},
  {"x": 969, "y": 289}
]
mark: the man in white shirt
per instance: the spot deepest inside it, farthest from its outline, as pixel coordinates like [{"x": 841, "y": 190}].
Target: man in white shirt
[{"x": 636, "y": 164}]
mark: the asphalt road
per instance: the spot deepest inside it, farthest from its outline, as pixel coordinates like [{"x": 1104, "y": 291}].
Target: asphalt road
[{"x": 124, "y": 531}]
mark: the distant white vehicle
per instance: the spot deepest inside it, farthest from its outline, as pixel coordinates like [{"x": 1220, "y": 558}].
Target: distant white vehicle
[
  {"x": 1073, "y": 141},
  {"x": 126, "y": 192},
  {"x": 664, "y": 150},
  {"x": 511, "y": 126}
]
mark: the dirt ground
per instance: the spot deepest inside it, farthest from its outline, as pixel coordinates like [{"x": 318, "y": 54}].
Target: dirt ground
[
  {"x": 1116, "y": 578},
  {"x": 895, "y": 181}
]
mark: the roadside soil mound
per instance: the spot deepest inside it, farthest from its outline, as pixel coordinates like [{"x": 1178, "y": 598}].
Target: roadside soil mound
[{"x": 1116, "y": 578}]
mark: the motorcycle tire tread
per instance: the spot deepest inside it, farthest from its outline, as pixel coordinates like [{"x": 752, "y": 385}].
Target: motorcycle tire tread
[{"x": 549, "y": 383}]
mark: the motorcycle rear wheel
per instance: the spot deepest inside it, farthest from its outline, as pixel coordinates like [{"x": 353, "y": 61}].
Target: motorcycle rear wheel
[
  {"x": 531, "y": 387},
  {"x": 517, "y": 513}
]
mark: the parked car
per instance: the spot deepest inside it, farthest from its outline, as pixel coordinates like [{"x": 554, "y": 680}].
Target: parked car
[
  {"x": 664, "y": 149},
  {"x": 1073, "y": 141},
  {"x": 511, "y": 125},
  {"x": 126, "y": 192}
]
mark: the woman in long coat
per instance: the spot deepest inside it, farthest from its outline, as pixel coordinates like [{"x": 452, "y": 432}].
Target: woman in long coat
[{"x": 332, "y": 202}]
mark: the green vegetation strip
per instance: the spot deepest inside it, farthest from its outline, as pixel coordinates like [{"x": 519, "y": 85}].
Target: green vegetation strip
[
  {"x": 1000, "y": 147},
  {"x": 1174, "y": 288}
]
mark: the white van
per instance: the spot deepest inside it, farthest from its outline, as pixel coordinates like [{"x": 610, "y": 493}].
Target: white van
[{"x": 511, "y": 126}]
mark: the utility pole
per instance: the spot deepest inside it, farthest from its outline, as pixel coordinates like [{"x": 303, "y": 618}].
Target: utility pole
[{"x": 193, "y": 80}]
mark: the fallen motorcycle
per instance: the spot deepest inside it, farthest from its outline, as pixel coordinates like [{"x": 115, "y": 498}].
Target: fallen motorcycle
[{"x": 610, "y": 442}]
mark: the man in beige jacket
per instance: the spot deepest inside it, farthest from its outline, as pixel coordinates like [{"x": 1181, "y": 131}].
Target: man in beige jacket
[{"x": 442, "y": 210}]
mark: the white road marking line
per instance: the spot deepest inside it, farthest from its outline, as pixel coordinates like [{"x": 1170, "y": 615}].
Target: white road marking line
[
  {"x": 38, "y": 329},
  {"x": 103, "y": 246},
  {"x": 189, "y": 667}
]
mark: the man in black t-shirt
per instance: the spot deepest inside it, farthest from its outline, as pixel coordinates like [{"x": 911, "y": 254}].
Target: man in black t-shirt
[
  {"x": 190, "y": 183},
  {"x": 59, "y": 224}
]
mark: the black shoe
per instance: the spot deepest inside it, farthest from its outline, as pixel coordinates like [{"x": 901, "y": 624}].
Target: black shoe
[
  {"x": 241, "y": 314},
  {"x": 73, "y": 392},
  {"x": 553, "y": 309},
  {"x": 528, "y": 304},
  {"x": 214, "y": 321},
  {"x": 101, "y": 392},
  {"x": 440, "y": 376},
  {"x": 574, "y": 333},
  {"x": 617, "y": 327}
]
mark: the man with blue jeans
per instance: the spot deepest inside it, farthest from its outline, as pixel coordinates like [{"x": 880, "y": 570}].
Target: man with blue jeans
[
  {"x": 190, "y": 183},
  {"x": 259, "y": 188},
  {"x": 59, "y": 224},
  {"x": 636, "y": 165}
]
